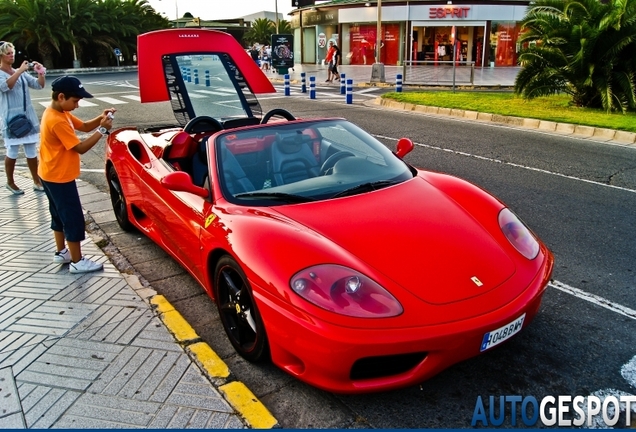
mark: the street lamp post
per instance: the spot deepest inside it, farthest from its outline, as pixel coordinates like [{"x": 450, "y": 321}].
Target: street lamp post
[
  {"x": 377, "y": 70},
  {"x": 176, "y": 13},
  {"x": 276, "y": 11},
  {"x": 76, "y": 62}
]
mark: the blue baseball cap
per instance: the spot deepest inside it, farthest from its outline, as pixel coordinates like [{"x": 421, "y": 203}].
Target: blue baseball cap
[{"x": 70, "y": 86}]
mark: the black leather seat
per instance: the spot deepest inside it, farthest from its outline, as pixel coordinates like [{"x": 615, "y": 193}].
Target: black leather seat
[
  {"x": 292, "y": 159},
  {"x": 235, "y": 178},
  {"x": 200, "y": 170}
]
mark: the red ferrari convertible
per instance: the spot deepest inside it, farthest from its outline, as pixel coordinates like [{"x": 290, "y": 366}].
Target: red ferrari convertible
[{"x": 324, "y": 251}]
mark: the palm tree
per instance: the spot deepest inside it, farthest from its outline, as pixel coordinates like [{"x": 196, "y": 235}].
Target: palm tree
[
  {"x": 584, "y": 48},
  {"x": 284, "y": 27},
  {"x": 35, "y": 26},
  {"x": 260, "y": 32},
  {"x": 93, "y": 27}
]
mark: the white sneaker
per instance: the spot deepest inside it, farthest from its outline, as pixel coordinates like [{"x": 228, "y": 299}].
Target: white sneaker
[
  {"x": 62, "y": 257},
  {"x": 84, "y": 266}
]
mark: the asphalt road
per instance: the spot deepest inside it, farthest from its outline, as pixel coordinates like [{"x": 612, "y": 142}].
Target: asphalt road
[{"x": 579, "y": 196}]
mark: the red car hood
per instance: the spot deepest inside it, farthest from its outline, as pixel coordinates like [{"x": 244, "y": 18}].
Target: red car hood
[{"x": 415, "y": 235}]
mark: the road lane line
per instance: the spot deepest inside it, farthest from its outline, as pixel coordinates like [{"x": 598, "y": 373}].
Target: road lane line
[
  {"x": 512, "y": 164},
  {"x": 593, "y": 298}
]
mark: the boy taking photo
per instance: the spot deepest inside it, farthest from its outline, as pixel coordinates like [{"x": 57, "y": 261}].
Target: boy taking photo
[{"x": 59, "y": 167}]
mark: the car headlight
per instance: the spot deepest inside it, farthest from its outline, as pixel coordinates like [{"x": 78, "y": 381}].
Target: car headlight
[
  {"x": 344, "y": 291},
  {"x": 518, "y": 234}
]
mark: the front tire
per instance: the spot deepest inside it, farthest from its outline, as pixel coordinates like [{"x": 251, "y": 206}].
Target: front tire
[
  {"x": 118, "y": 201},
  {"x": 240, "y": 317}
]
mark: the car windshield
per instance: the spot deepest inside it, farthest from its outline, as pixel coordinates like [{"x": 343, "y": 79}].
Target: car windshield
[
  {"x": 208, "y": 85},
  {"x": 303, "y": 161}
]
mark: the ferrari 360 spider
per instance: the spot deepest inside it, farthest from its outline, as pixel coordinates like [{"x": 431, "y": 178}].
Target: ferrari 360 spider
[{"x": 323, "y": 249}]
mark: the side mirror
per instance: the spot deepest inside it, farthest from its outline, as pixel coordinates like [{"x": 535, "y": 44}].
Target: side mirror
[
  {"x": 404, "y": 147},
  {"x": 180, "y": 181}
]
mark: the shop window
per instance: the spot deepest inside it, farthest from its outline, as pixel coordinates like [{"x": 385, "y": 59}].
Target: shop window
[
  {"x": 503, "y": 43},
  {"x": 363, "y": 44}
]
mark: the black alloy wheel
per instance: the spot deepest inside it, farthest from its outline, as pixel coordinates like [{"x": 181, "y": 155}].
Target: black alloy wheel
[
  {"x": 239, "y": 315},
  {"x": 118, "y": 201}
]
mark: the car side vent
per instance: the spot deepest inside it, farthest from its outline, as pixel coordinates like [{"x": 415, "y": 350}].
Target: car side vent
[{"x": 383, "y": 366}]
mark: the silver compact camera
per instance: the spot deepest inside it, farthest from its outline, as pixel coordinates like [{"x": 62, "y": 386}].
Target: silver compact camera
[{"x": 31, "y": 65}]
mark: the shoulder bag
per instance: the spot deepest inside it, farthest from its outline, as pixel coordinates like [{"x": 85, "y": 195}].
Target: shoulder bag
[{"x": 20, "y": 126}]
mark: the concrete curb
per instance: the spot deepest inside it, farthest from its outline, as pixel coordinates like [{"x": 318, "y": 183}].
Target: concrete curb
[{"x": 595, "y": 133}]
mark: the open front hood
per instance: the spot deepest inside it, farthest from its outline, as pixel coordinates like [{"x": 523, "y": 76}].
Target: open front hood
[{"x": 415, "y": 235}]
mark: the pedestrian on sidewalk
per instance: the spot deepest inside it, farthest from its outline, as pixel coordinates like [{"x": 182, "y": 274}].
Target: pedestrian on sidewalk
[
  {"x": 329, "y": 61},
  {"x": 337, "y": 56},
  {"x": 15, "y": 101},
  {"x": 60, "y": 152}
]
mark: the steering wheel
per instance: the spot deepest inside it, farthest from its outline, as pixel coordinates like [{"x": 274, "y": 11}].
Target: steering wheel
[
  {"x": 330, "y": 162},
  {"x": 277, "y": 112},
  {"x": 203, "y": 124}
]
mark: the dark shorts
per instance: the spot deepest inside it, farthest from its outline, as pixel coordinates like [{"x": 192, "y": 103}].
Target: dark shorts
[{"x": 66, "y": 210}]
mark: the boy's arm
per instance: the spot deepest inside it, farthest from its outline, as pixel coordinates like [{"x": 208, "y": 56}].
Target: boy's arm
[{"x": 103, "y": 120}]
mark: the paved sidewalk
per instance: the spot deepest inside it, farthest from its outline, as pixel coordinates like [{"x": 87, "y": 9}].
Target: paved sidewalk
[{"x": 90, "y": 351}]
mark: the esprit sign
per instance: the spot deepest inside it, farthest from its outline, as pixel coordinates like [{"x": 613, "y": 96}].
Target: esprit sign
[{"x": 448, "y": 12}]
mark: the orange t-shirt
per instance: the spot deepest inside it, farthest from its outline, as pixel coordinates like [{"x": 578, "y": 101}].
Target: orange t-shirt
[{"x": 59, "y": 163}]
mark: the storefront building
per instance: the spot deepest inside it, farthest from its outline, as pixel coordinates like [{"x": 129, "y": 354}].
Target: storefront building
[{"x": 416, "y": 31}]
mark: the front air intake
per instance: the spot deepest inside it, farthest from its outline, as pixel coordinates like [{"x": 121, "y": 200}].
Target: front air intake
[{"x": 382, "y": 366}]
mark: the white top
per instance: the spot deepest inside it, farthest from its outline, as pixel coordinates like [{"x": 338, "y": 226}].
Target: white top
[{"x": 12, "y": 104}]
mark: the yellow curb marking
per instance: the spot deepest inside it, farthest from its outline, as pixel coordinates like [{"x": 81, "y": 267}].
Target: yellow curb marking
[
  {"x": 174, "y": 321},
  {"x": 244, "y": 401},
  {"x": 163, "y": 305},
  {"x": 209, "y": 360}
]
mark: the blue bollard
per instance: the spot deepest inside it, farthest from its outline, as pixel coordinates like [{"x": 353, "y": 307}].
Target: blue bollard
[
  {"x": 343, "y": 84},
  {"x": 303, "y": 82},
  {"x": 398, "y": 83},
  {"x": 312, "y": 87},
  {"x": 196, "y": 76},
  {"x": 189, "y": 75},
  {"x": 207, "y": 78},
  {"x": 287, "y": 88},
  {"x": 349, "y": 91}
]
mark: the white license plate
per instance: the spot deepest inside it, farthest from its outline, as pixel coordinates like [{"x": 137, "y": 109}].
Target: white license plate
[{"x": 496, "y": 337}]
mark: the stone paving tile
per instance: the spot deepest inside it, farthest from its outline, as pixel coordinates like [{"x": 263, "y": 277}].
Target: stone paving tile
[
  {"x": 155, "y": 335},
  {"x": 22, "y": 357},
  {"x": 12, "y": 308},
  {"x": 111, "y": 410},
  {"x": 49, "y": 408},
  {"x": 9, "y": 398},
  {"x": 50, "y": 318}
]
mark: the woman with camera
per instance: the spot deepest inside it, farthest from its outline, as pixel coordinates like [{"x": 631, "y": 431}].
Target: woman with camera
[{"x": 18, "y": 121}]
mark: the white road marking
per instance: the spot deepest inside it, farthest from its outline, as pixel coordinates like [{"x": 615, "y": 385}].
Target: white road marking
[
  {"x": 136, "y": 98},
  {"x": 461, "y": 153},
  {"x": 84, "y": 103},
  {"x": 219, "y": 93},
  {"x": 628, "y": 371},
  {"x": 368, "y": 90},
  {"x": 593, "y": 298},
  {"x": 110, "y": 100}
]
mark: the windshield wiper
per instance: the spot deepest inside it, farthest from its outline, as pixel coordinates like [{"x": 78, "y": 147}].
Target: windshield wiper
[
  {"x": 278, "y": 196},
  {"x": 365, "y": 187}
]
